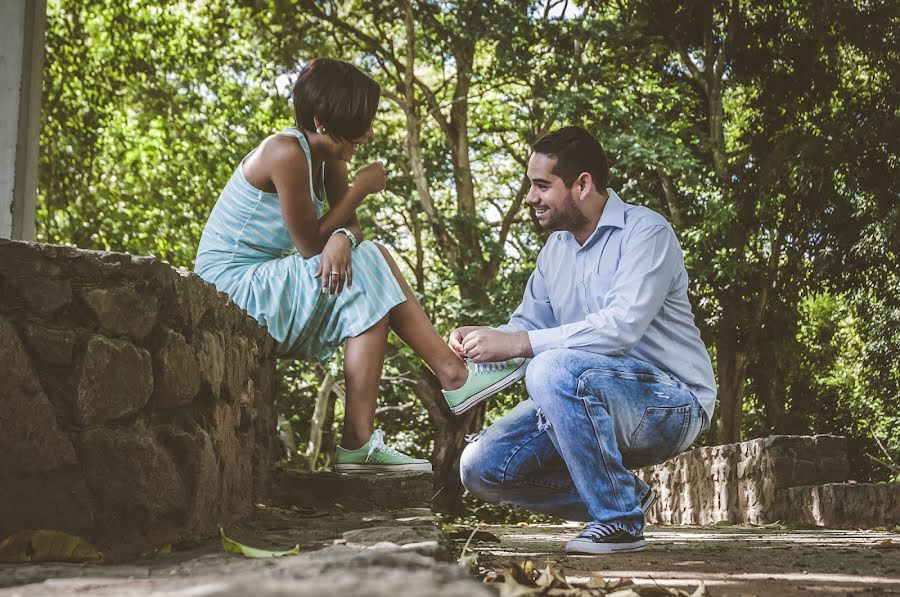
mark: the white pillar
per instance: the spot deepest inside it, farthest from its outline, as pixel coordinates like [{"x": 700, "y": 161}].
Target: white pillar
[{"x": 22, "y": 24}]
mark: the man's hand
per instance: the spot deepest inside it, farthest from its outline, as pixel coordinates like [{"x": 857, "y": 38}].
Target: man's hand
[
  {"x": 336, "y": 265},
  {"x": 486, "y": 344},
  {"x": 459, "y": 334}
]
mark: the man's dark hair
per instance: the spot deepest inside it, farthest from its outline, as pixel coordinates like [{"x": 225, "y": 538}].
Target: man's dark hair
[
  {"x": 343, "y": 98},
  {"x": 576, "y": 151}
]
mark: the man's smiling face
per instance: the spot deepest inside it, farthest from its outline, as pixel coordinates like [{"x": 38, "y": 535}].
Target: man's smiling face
[{"x": 553, "y": 202}]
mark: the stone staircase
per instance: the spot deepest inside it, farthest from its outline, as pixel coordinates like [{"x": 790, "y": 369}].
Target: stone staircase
[{"x": 795, "y": 480}]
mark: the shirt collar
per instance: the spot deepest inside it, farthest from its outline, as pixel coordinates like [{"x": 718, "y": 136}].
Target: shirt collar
[
  {"x": 613, "y": 216},
  {"x": 613, "y": 212}
]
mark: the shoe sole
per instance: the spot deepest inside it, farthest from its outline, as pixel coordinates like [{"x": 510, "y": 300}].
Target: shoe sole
[
  {"x": 651, "y": 500},
  {"x": 489, "y": 391},
  {"x": 595, "y": 549},
  {"x": 358, "y": 469}
]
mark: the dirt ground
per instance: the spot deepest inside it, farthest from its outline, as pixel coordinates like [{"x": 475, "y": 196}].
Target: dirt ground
[{"x": 731, "y": 561}]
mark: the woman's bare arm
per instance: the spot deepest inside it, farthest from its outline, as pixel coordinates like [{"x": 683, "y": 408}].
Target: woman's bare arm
[{"x": 336, "y": 187}]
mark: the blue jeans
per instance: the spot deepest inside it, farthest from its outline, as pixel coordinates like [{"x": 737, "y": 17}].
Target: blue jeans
[{"x": 567, "y": 450}]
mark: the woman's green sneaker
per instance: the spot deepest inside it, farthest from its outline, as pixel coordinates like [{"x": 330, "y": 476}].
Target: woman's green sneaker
[
  {"x": 485, "y": 380},
  {"x": 377, "y": 457}
]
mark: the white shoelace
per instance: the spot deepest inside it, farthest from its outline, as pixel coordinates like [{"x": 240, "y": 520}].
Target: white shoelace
[
  {"x": 597, "y": 530},
  {"x": 377, "y": 443},
  {"x": 491, "y": 367}
]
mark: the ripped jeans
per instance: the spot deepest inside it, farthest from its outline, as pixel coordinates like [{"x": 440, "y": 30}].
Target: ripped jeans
[{"x": 566, "y": 451}]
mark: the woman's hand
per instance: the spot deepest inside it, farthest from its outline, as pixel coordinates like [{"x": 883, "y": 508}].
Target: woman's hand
[
  {"x": 370, "y": 178},
  {"x": 336, "y": 265}
]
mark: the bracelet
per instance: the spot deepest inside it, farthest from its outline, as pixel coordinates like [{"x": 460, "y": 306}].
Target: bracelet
[{"x": 348, "y": 234}]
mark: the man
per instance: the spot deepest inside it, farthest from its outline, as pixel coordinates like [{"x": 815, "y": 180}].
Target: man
[{"x": 619, "y": 377}]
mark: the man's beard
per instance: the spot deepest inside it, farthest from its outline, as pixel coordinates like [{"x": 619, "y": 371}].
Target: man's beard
[{"x": 568, "y": 218}]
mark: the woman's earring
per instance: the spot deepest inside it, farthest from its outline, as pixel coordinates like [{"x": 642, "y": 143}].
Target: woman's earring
[{"x": 320, "y": 130}]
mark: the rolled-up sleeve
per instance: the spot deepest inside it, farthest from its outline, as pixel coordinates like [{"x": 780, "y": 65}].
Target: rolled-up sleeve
[{"x": 649, "y": 263}]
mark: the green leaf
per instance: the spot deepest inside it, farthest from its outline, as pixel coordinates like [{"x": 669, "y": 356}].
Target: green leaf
[
  {"x": 232, "y": 546},
  {"x": 47, "y": 546}
]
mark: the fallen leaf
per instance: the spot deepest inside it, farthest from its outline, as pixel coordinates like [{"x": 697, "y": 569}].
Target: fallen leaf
[
  {"x": 701, "y": 590},
  {"x": 469, "y": 562},
  {"x": 47, "y": 546},
  {"x": 598, "y": 582},
  {"x": 724, "y": 523},
  {"x": 552, "y": 578},
  {"x": 232, "y": 546},
  {"x": 522, "y": 574}
]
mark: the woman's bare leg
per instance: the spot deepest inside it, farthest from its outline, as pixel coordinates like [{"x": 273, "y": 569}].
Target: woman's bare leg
[
  {"x": 363, "y": 363},
  {"x": 410, "y": 322}
]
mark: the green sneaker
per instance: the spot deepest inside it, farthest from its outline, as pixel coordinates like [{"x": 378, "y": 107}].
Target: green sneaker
[
  {"x": 377, "y": 457},
  {"x": 485, "y": 379}
]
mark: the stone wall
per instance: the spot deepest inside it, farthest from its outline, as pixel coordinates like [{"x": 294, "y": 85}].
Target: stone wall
[
  {"x": 740, "y": 482},
  {"x": 136, "y": 402}
]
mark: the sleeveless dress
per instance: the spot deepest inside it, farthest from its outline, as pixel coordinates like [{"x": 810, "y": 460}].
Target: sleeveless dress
[{"x": 246, "y": 251}]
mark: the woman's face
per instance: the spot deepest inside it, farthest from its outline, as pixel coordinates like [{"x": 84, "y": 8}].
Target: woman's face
[{"x": 347, "y": 149}]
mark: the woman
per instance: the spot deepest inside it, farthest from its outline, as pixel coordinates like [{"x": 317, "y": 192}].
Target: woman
[{"x": 306, "y": 274}]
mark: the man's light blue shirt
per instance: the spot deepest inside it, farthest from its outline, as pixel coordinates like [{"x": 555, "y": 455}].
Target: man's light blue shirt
[{"x": 624, "y": 292}]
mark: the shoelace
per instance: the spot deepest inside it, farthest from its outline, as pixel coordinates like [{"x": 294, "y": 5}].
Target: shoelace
[
  {"x": 597, "y": 530},
  {"x": 377, "y": 443},
  {"x": 491, "y": 367}
]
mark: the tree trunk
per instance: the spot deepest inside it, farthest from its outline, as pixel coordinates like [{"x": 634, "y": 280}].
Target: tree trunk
[
  {"x": 450, "y": 433},
  {"x": 731, "y": 363},
  {"x": 318, "y": 420}
]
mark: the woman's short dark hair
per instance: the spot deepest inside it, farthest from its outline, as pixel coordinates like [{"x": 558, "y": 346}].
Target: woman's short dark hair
[
  {"x": 342, "y": 97},
  {"x": 576, "y": 151}
]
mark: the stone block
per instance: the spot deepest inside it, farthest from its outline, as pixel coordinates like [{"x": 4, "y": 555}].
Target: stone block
[
  {"x": 804, "y": 473},
  {"x": 426, "y": 540},
  {"x": 240, "y": 356},
  {"x": 51, "y": 345},
  {"x": 134, "y": 480},
  {"x": 233, "y": 457},
  {"x": 122, "y": 311},
  {"x": 210, "y": 349},
  {"x": 116, "y": 380},
  {"x": 833, "y": 469},
  {"x": 31, "y": 441},
  {"x": 59, "y": 500},
  {"x": 177, "y": 372},
  {"x": 288, "y": 487},
  {"x": 840, "y": 505},
  {"x": 45, "y": 295},
  {"x": 194, "y": 295},
  {"x": 193, "y": 453},
  {"x": 830, "y": 445}
]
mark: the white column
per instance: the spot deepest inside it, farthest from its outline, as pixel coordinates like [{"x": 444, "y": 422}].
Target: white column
[{"x": 22, "y": 24}]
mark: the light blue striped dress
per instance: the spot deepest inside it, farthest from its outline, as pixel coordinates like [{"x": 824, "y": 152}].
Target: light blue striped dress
[{"x": 247, "y": 252}]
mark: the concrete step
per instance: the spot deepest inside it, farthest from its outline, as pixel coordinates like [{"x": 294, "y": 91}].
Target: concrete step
[
  {"x": 355, "y": 493},
  {"x": 840, "y": 505}
]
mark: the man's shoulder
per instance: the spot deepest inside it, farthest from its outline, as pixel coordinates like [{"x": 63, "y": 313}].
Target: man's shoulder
[{"x": 640, "y": 218}]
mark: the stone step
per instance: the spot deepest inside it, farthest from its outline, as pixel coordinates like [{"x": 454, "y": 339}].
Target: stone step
[
  {"x": 738, "y": 482},
  {"x": 840, "y": 505},
  {"x": 356, "y": 493}
]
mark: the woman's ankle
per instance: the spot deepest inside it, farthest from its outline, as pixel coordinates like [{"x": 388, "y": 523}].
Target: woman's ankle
[{"x": 455, "y": 375}]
